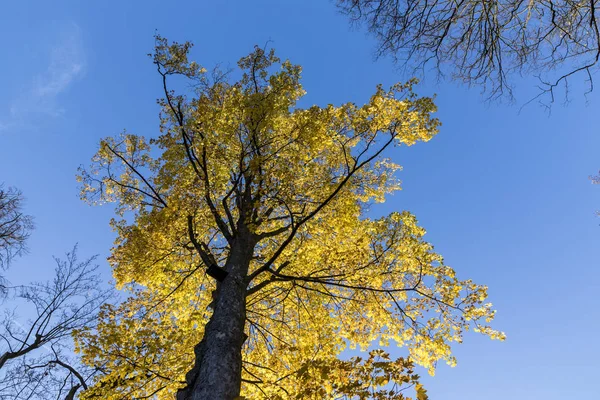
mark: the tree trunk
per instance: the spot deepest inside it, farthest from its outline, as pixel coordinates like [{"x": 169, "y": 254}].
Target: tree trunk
[{"x": 217, "y": 372}]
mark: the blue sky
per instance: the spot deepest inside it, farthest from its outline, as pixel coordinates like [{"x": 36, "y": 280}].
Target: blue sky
[{"x": 503, "y": 194}]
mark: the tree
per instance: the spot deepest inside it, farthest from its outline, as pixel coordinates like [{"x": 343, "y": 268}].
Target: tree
[
  {"x": 36, "y": 358},
  {"x": 15, "y": 226},
  {"x": 483, "y": 42},
  {"x": 242, "y": 231}
]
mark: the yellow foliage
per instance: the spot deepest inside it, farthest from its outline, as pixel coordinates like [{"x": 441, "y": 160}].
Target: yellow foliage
[{"x": 239, "y": 156}]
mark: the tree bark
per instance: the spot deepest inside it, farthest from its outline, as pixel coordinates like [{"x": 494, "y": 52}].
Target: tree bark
[{"x": 217, "y": 372}]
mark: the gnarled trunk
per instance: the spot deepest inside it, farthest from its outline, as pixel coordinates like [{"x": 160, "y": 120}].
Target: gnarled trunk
[{"x": 218, "y": 366}]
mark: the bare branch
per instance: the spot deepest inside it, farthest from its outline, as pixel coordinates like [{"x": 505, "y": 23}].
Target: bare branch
[
  {"x": 486, "y": 43},
  {"x": 15, "y": 226}
]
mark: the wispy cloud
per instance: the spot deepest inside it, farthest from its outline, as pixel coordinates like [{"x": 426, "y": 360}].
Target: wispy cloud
[{"x": 40, "y": 97}]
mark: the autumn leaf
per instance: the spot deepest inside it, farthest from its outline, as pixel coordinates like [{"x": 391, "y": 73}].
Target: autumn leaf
[{"x": 274, "y": 195}]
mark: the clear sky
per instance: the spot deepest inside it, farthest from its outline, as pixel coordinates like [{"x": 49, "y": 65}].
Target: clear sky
[{"x": 503, "y": 194}]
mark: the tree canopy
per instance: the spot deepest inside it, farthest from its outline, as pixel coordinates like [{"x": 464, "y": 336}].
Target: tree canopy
[
  {"x": 15, "y": 226},
  {"x": 485, "y": 42},
  {"x": 243, "y": 185}
]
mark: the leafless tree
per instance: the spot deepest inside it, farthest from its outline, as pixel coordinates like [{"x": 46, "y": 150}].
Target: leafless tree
[
  {"x": 485, "y": 42},
  {"x": 15, "y": 226},
  {"x": 36, "y": 356}
]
